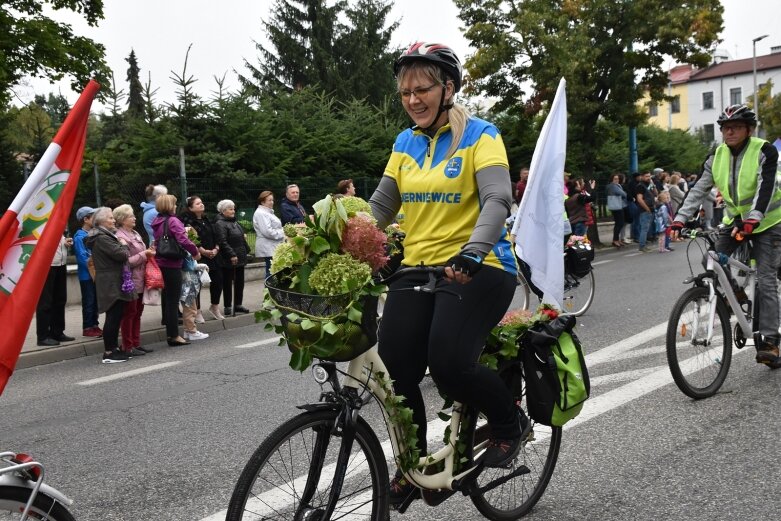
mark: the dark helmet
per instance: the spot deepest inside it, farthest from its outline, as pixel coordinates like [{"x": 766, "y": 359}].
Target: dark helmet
[
  {"x": 739, "y": 113},
  {"x": 435, "y": 53}
]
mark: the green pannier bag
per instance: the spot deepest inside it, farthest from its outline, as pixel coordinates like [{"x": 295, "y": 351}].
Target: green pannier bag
[{"x": 555, "y": 371}]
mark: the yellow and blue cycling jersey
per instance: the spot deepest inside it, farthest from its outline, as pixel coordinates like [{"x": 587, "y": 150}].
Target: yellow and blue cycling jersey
[{"x": 439, "y": 195}]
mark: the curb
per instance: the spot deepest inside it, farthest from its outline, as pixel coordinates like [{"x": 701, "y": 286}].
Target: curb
[{"x": 80, "y": 349}]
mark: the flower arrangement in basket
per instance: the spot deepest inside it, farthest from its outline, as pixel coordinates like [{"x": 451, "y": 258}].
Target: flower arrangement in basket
[{"x": 321, "y": 296}]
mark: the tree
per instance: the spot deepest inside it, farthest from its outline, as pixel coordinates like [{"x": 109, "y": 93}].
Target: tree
[
  {"x": 365, "y": 55},
  {"x": 32, "y": 44},
  {"x": 31, "y": 130},
  {"x": 609, "y": 52},
  {"x": 302, "y": 35},
  {"x": 769, "y": 111},
  {"x": 135, "y": 98}
]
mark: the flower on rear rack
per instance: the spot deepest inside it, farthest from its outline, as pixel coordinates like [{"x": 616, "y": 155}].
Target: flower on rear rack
[{"x": 503, "y": 339}]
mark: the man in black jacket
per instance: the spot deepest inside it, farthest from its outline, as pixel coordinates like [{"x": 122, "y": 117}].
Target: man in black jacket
[{"x": 292, "y": 210}]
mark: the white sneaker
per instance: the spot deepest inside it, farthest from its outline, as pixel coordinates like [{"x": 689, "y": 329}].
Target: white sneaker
[
  {"x": 199, "y": 318},
  {"x": 195, "y": 335}
]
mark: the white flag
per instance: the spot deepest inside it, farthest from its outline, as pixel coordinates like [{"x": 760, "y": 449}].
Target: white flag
[{"x": 539, "y": 223}]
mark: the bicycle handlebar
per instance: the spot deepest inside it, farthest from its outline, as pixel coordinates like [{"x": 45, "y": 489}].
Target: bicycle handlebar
[{"x": 436, "y": 271}]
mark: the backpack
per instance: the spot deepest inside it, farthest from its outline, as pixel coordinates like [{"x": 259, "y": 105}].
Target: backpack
[{"x": 557, "y": 382}]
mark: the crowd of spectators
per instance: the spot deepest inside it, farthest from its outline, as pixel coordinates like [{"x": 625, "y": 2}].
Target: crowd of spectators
[{"x": 123, "y": 266}]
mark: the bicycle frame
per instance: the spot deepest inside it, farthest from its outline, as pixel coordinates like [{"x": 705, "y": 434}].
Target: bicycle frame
[
  {"x": 712, "y": 265},
  {"x": 14, "y": 475},
  {"x": 362, "y": 374}
]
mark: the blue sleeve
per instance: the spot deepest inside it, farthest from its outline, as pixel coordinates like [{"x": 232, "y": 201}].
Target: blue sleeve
[{"x": 82, "y": 253}]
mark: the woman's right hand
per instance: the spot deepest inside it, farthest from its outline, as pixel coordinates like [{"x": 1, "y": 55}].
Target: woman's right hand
[{"x": 234, "y": 260}]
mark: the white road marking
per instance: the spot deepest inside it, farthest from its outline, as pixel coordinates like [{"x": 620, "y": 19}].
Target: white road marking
[
  {"x": 621, "y": 395},
  {"x": 608, "y": 354},
  {"x": 258, "y": 343},
  {"x": 128, "y": 374},
  {"x": 602, "y": 262},
  {"x": 623, "y": 376}
]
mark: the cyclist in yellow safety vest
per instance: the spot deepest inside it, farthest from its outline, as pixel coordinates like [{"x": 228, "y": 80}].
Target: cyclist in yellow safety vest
[{"x": 744, "y": 169}]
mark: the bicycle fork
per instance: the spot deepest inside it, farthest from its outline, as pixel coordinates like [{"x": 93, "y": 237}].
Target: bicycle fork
[{"x": 344, "y": 427}]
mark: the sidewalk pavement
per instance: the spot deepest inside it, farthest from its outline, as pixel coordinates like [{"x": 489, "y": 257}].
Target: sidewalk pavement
[{"x": 151, "y": 330}]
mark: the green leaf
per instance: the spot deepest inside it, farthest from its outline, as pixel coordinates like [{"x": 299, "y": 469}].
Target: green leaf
[
  {"x": 443, "y": 416},
  {"x": 300, "y": 359},
  {"x": 354, "y": 315},
  {"x": 330, "y": 327},
  {"x": 307, "y": 324},
  {"x": 320, "y": 245}
]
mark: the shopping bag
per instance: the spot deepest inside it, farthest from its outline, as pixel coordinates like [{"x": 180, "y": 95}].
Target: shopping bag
[
  {"x": 153, "y": 277},
  {"x": 151, "y": 297}
]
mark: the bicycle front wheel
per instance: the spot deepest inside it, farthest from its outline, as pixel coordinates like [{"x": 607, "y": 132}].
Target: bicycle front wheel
[
  {"x": 45, "y": 508},
  {"x": 291, "y": 475},
  {"x": 578, "y": 293},
  {"x": 698, "y": 364}
]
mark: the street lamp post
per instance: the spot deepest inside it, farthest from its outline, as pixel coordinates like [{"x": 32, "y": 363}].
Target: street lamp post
[{"x": 754, "y": 61}]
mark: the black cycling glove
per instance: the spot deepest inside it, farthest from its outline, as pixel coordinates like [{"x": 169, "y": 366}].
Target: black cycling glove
[{"x": 466, "y": 263}]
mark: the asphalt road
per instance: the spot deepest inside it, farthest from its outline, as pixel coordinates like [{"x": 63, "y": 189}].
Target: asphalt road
[{"x": 165, "y": 436}]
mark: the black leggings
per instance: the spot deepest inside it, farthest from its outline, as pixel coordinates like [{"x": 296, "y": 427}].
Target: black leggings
[
  {"x": 618, "y": 223},
  {"x": 233, "y": 285},
  {"x": 448, "y": 334},
  {"x": 172, "y": 278},
  {"x": 111, "y": 325}
]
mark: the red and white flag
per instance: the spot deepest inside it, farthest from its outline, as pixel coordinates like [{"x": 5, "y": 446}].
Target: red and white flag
[{"x": 31, "y": 228}]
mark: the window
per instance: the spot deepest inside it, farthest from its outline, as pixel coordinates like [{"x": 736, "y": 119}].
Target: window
[
  {"x": 675, "y": 105},
  {"x": 735, "y": 97},
  {"x": 708, "y": 133},
  {"x": 653, "y": 109},
  {"x": 707, "y": 101}
]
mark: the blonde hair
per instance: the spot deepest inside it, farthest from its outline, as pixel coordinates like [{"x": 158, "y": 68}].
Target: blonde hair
[
  {"x": 457, "y": 116},
  {"x": 663, "y": 196},
  {"x": 122, "y": 212},
  {"x": 166, "y": 204}
]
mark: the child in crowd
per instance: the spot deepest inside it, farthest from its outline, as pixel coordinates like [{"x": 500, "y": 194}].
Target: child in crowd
[
  {"x": 663, "y": 221},
  {"x": 191, "y": 286},
  {"x": 89, "y": 298}
]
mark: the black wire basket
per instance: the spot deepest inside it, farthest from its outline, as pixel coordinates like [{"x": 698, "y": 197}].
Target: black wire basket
[{"x": 354, "y": 338}]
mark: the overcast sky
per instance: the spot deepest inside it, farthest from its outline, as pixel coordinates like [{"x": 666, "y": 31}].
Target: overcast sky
[{"x": 223, "y": 32}]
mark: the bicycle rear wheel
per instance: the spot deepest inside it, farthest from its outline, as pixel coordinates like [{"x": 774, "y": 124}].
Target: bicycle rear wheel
[
  {"x": 578, "y": 293},
  {"x": 14, "y": 499},
  {"x": 290, "y": 476},
  {"x": 522, "y": 299},
  {"x": 699, "y": 366},
  {"x": 516, "y": 496}
]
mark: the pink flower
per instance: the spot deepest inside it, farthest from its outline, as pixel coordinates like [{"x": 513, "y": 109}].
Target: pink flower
[
  {"x": 364, "y": 241},
  {"x": 516, "y": 317}
]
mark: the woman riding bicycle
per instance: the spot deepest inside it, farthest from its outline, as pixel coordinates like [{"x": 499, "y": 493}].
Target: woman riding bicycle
[{"x": 449, "y": 175}]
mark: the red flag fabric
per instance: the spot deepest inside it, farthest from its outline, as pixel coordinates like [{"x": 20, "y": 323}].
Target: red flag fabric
[{"x": 31, "y": 228}]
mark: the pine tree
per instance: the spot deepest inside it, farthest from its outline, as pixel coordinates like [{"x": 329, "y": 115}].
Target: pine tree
[
  {"x": 135, "y": 98},
  {"x": 365, "y": 53},
  {"x": 302, "y": 35}
]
